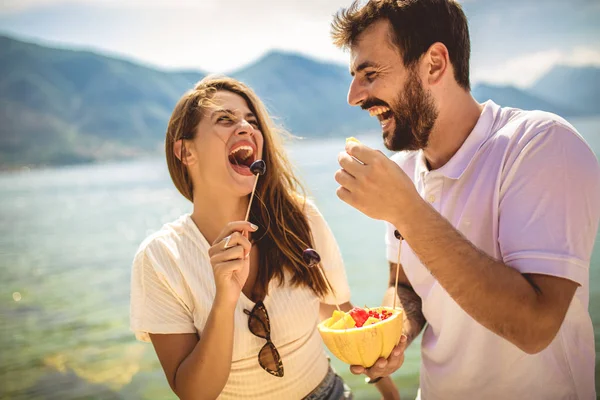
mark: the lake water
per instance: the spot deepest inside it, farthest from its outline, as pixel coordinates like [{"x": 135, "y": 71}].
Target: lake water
[{"x": 67, "y": 237}]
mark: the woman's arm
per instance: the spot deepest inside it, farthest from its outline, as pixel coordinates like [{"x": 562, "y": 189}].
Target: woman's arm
[{"x": 199, "y": 369}]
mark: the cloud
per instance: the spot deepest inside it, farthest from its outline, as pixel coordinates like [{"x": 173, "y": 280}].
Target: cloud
[
  {"x": 219, "y": 36},
  {"x": 524, "y": 70},
  {"x": 302, "y": 7}
]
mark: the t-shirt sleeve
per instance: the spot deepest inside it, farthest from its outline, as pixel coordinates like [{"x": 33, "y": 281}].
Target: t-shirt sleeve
[
  {"x": 331, "y": 257},
  {"x": 155, "y": 307},
  {"x": 549, "y": 206}
]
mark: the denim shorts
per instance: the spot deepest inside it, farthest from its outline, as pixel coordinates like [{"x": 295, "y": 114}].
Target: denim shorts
[{"x": 332, "y": 387}]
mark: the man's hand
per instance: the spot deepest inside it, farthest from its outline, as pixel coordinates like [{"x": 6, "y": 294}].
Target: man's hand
[
  {"x": 384, "y": 367},
  {"x": 373, "y": 184}
]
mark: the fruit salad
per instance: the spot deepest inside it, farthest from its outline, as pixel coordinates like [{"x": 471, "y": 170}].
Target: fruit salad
[
  {"x": 362, "y": 335},
  {"x": 357, "y": 317}
]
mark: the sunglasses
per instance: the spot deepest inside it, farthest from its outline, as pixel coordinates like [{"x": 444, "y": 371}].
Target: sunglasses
[{"x": 258, "y": 323}]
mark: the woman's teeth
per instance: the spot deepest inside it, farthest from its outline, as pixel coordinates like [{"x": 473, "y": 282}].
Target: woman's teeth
[{"x": 240, "y": 154}]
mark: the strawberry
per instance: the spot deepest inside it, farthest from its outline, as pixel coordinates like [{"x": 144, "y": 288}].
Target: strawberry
[{"x": 359, "y": 316}]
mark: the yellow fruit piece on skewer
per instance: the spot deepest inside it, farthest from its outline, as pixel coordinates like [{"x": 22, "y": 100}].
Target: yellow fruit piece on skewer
[
  {"x": 337, "y": 315},
  {"x": 352, "y": 139},
  {"x": 344, "y": 323}
]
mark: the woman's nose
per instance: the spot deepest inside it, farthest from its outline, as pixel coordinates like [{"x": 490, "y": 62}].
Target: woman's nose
[{"x": 245, "y": 128}]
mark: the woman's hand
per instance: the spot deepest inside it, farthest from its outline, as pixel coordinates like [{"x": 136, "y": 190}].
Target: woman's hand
[{"x": 229, "y": 257}]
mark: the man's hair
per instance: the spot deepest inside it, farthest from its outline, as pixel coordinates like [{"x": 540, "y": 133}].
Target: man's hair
[{"x": 416, "y": 24}]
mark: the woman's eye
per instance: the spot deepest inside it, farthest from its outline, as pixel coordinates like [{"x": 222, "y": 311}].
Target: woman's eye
[
  {"x": 224, "y": 118},
  {"x": 254, "y": 124}
]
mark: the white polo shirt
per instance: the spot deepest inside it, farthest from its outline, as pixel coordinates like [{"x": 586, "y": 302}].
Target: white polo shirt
[{"x": 524, "y": 188}]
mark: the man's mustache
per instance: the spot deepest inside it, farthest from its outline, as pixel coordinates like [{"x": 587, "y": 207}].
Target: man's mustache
[{"x": 368, "y": 103}]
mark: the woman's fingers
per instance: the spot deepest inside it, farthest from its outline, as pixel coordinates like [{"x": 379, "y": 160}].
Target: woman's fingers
[
  {"x": 236, "y": 252},
  {"x": 236, "y": 226},
  {"x": 235, "y": 239},
  {"x": 228, "y": 267}
]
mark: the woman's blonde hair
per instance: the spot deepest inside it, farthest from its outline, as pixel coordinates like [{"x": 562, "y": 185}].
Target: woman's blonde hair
[{"x": 278, "y": 207}]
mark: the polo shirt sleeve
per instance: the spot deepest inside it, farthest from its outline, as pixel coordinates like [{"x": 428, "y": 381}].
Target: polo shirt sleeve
[
  {"x": 391, "y": 243},
  {"x": 331, "y": 258},
  {"x": 549, "y": 204},
  {"x": 155, "y": 307}
]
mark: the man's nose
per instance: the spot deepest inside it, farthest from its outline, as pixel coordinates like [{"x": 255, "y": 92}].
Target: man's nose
[{"x": 357, "y": 93}]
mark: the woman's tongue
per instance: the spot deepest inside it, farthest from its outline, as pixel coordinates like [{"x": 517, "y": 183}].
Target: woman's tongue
[{"x": 239, "y": 164}]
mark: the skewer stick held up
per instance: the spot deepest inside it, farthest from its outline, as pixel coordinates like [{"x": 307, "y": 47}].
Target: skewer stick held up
[
  {"x": 399, "y": 237},
  {"x": 258, "y": 168}
]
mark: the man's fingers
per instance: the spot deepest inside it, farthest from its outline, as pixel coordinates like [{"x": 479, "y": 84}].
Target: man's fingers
[
  {"x": 357, "y": 369},
  {"x": 344, "y": 195},
  {"x": 342, "y": 177},
  {"x": 363, "y": 153},
  {"x": 385, "y": 367},
  {"x": 399, "y": 349},
  {"x": 350, "y": 164}
]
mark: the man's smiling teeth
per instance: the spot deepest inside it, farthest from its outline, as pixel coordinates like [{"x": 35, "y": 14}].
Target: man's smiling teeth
[
  {"x": 378, "y": 112},
  {"x": 374, "y": 111}
]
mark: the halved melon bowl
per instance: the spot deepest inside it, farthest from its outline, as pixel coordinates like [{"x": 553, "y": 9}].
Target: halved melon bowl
[{"x": 365, "y": 344}]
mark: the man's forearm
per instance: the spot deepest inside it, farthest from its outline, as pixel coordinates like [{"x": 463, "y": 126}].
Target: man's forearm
[
  {"x": 497, "y": 296},
  {"x": 414, "y": 320},
  {"x": 411, "y": 303}
]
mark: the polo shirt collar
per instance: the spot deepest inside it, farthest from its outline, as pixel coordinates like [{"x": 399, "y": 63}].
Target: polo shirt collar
[{"x": 459, "y": 162}]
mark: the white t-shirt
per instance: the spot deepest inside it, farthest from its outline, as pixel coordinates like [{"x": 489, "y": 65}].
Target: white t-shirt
[
  {"x": 173, "y": 288},
  {"x": 525, "y": 189}
]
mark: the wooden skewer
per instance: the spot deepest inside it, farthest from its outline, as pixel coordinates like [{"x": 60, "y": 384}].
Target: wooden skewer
[
  {"x": 399, "y": 237},
  {"x": 258, "y": 168},
  {"x": 251, "y": 197},
  {"x": 312, "y": 259}
]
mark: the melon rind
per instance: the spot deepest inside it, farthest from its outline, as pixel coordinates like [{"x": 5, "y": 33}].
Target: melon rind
[{"x": 364, "y": 345}]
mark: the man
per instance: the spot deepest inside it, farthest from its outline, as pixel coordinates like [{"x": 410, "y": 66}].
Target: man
[{"x": 498, "y": 208}]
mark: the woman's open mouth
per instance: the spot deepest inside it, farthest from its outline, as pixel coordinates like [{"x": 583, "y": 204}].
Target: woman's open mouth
[{"x": 241, "y": 156}]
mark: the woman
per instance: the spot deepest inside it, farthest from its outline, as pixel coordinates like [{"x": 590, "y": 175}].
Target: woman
[{"x": 230, "y": 307}]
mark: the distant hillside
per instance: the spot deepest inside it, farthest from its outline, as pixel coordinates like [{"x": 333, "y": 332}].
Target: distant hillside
[
  {"x": 510, "y": 96},
  {"x": 571, "y": 87},
  {"x": 309, "y": 97},
  {"x": 65, "y": 106},
  {"x": 62, "y": 106}
]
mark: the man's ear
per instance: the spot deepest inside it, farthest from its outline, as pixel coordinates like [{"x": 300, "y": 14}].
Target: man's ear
[
  {"x": 182, "y": 152},
  {"x": 438, "y": 61}
]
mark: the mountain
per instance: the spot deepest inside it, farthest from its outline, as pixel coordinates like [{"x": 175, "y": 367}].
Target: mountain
[
  {"x": 510, "y": 96},
  {"x": 307, "y": 96},
  {"x": 571, "y": 87},
  {"x": 61, "y": 106}
]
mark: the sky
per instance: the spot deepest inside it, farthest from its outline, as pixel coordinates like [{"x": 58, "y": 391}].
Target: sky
[{"x": 513, "y": 41}]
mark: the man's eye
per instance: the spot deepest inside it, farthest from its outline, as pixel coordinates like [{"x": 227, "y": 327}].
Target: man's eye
[{"x": 370, "y": 76}]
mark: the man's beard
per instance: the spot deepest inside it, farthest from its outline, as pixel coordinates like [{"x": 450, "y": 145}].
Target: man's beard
[{"x": 414, "y": 115}]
